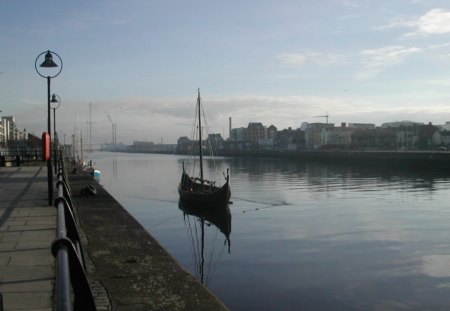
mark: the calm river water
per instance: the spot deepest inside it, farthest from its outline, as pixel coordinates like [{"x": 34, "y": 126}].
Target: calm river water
[{"x": 303, "y": 236}]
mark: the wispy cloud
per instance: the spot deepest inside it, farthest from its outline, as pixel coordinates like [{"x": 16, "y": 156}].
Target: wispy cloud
[
  {"x": 435, "y": 21},
  {"x": 376, "y": 61},
  {"x": 295, "y": 59},
  {"x": 317, "y": 58},
  {"x": 398, "y": 22}
]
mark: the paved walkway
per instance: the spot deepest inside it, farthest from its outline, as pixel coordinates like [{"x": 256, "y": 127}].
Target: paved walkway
[{"x": 27, "y": 229}]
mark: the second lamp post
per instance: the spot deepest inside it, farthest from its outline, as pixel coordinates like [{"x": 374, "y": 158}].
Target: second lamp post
[{"x": 55, "y": 102}]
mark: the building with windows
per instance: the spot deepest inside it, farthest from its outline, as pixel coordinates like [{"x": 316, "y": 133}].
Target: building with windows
[
  {"x": 313, "y": 135},
  {"x": 336, "y": 137},
  {"x": 8, "y": 130},
  {"x": 2, "y": 134},
  {"x": 255, "y": 132}
]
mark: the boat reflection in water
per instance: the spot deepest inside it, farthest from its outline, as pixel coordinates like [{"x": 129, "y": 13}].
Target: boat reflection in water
[{"x": 215, "y": 218}]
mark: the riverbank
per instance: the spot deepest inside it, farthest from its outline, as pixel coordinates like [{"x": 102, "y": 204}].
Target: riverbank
[{"x": 134, "y": 269}]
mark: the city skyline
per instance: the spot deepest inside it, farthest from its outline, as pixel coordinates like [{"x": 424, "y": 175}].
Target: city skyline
[{"x": 277, "y": 62}]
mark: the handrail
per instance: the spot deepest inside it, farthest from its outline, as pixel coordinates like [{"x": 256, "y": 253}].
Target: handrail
[{"x": 71, "y": 275}]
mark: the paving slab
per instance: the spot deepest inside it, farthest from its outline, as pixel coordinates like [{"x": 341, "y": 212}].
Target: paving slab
[{"x": 27, "y": 229}]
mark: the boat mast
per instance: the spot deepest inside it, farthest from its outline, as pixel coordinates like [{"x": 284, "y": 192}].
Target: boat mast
[
  {"x": 90, "y": 134},
  {"x": 200, "y": 137}
]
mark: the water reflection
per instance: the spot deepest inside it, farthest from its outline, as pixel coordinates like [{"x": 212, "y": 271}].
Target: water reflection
[
  {"x": 217, "y": 218},
  {"x": 306, "y": 236},
  {"x": 437, "y": 266},
  {"x": 114, "y": 168},
  {"x": 322, "y": 177}
]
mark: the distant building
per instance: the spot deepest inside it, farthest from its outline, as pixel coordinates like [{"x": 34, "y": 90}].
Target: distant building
[
  {"x": 377, "y": 138},
  {"x": 271, "y": 132},
  {"x": 255, "y": 132},
  {"x": 185, "y": 145},
  {"x": 238, "y": 134},
  {"x": 313, "y": 134},
  {"x": 441, "y": 138},
  {"x": 141, "y": 146},
  {"x": 336, "y": 137},
  {"x": 2, "y": 133},
  {"x": 8, "y": 128},
  {"x": 415, "y": 137},
  {"x": 290, "y": 139},
  {"x": 254, "y": 136}
]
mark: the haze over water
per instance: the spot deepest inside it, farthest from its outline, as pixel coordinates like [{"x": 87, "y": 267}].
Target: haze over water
[{"x": 304, "y": 235}]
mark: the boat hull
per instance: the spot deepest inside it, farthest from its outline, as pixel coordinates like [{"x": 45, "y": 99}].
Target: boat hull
[{"x": 193, "y": 192}]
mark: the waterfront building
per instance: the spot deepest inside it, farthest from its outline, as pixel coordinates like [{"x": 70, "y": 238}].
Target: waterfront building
[
  {"x": 336, "y": 137},
  {"x": 141, "y": 146},
  {"x": 9, "y": 126},
  {"x": 441, "y": 138},
  {"x": 374, "y": 139},
  {"x": 2, "y": 134},
  {"x": 254, "y": 136},
  {"x": 313, "y": 135},
  {"x": 237, "y": 138},
  {"x": 290, "y": 139},
  {"x": 10, "y": 134},
  {"x": 407, "y": 138},
  {"x": 184, "y": 145},
  {"x": 271, "y": 132},
  {"x": 145, "y": 147},
  {"x": 415, "y": 137},
  {"x": 400, "y": 135},
  {"x": 238, "y": 134},
  {"x": 255, "y": 132}
]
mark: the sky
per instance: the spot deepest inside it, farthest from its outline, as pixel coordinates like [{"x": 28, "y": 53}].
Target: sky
[{"x": 140, "y": 62}]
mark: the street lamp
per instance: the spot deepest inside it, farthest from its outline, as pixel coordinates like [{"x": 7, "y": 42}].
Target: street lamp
[
  {"x": 55, "y": 102},
  {"x": 51, "y": 66}
]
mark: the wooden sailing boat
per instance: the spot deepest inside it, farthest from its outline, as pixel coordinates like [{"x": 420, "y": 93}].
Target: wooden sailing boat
[{"x": 198, "y": 190}]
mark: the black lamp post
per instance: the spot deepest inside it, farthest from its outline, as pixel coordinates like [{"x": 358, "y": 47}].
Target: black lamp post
[
  {"x": 50, "y": 65},
  {"x": 55, "y": 102}
]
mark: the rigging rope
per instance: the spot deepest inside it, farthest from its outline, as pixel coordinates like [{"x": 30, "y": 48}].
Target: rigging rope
[{"x": 191, "y": 166}]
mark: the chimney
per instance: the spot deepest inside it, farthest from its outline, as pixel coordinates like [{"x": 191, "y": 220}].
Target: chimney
[{"x": 229, "y": 134}]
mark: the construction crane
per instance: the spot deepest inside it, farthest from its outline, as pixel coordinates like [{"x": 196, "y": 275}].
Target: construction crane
[{"x": 324, "y": 116}]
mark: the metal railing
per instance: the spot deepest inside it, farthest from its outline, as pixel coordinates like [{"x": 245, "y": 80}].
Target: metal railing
[{"x": 73, "y": 291}]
